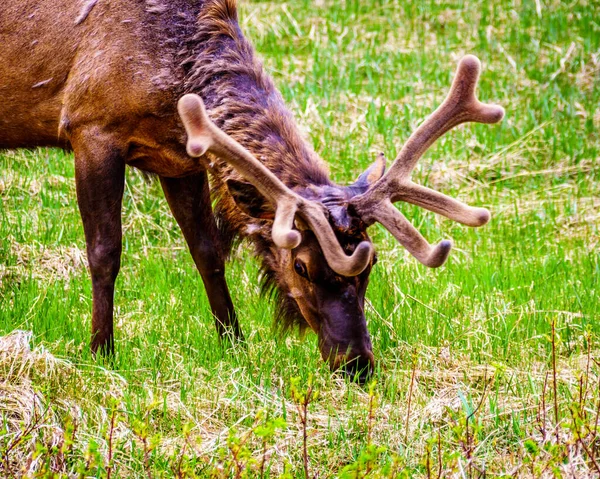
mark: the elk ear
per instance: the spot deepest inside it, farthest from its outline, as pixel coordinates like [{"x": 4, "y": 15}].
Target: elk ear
[
  {"x": 249, "y": 200},
  {"x": 371, "y": 175}
]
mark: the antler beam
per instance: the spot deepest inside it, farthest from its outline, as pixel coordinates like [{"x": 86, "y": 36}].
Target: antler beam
[
  {"x": 460, "y": 106},
  {"x": 204, "y": 136}
]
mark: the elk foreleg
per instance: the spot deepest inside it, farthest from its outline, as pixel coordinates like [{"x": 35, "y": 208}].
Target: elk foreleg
[
  {"x": 189, "y": 200},
  {"x": 100, "y": 178}
]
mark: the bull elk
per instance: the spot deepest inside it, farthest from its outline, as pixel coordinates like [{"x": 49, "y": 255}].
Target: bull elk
[{"x": 172, "y": 87}]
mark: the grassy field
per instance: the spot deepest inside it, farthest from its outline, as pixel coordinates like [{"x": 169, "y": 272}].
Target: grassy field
[{"x": 486, "y": 367}]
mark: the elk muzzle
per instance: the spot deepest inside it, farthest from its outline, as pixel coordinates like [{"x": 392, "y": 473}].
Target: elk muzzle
[{"x": 344, "y": 340}]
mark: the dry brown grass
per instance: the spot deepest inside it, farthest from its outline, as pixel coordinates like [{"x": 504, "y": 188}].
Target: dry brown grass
[{"x": 442, "y": 380}]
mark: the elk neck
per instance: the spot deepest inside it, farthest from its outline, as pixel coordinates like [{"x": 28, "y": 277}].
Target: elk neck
[{"x": 220, "y": 65}]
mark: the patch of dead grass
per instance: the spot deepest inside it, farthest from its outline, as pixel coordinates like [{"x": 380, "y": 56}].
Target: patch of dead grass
[
  {"x": 44, "y": 263},
  {"x": 441, "y": 383}
]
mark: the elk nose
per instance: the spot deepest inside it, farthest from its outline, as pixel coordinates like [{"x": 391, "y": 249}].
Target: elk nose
[{"x": 358, "y": 366}]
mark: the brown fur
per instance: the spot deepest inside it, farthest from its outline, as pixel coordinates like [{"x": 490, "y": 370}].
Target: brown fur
[{"x": 103, "y": 79}]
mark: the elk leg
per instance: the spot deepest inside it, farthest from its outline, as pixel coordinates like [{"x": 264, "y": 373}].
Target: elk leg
[
  {"x": 189, "y": 200},
  {"x": 100, "y": 178}
]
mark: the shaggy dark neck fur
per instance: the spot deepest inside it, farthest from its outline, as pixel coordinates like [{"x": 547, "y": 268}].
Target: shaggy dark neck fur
[
  {"x": 242, "y": 99},
  {"x": 243, "y": 102}
]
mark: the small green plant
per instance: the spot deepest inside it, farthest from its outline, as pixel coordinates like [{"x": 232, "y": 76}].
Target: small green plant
[
  {"x": 238, "y": 459},
  {"x": 302, "y": 399}
]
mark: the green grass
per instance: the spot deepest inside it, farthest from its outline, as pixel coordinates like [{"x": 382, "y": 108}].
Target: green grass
[{"x": 359, "y": 75}]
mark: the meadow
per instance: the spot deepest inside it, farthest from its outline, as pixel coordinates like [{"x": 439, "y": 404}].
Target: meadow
[{"x": 488, "y": 366}]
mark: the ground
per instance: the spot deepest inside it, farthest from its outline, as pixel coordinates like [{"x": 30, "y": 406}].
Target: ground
[{"x": 487, "y": 366}]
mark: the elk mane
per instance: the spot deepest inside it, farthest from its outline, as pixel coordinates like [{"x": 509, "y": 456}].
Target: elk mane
[{"x": 241, "y": 99}]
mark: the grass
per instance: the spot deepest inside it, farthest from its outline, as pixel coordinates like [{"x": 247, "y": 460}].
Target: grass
[{"x": 469, "y": 346}]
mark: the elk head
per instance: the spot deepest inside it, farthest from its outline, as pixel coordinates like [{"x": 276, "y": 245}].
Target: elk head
[{"x": 323, "y": 252}]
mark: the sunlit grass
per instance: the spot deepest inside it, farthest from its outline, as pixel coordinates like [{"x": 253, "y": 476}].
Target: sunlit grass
[{"x": 359, "y": 75}]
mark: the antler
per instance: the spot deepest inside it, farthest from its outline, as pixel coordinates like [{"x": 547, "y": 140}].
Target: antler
[
  {"x": 460, "y": 106},
  {"x": 204, "y": 136}
]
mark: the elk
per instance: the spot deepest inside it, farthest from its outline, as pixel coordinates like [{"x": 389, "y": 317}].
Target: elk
[{"x": 172, "y": 87}]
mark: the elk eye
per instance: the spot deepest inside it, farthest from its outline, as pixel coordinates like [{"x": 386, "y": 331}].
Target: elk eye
[
  {"x": 300, "y": 268},
  {"x": 375, "y": 259}
]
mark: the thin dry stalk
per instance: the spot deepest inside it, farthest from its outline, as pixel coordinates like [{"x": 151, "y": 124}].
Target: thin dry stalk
[
  {"x": 239, "y": 467},
  {"x": 595, "y": 432},
  {"x": 179, "y": 472},
  {"x": 554, "y": 380},
  {"x": 110, "y": 443},
  {"x": 470, "y": 446},
  {"x": 304, "y": 421},
  {"x": 439, "y": 444},
  {"x": 428, "y": 460},
  {"x": 146, "y": 456},
  {"x": 263, "y": 458},
  {"x": 147, "y": 459},
  {"x": 580, "y": 381},
  {"x": 543, "y": 418},
  {"x": 410, "y": 394},
  {"x": 597, "y": 410},
  {"x": 588, "y": 363},
  {"x": 581, "y": 442},
  {"x": 371, "y": 417},
  {"x": 370, "y": 422}
]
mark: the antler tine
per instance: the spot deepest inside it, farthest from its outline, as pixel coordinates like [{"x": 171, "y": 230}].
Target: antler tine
[
  {"x": 460, "y": 106},
  {"x": 204, "y": 136},
  {"x": 409, "y": 237}
]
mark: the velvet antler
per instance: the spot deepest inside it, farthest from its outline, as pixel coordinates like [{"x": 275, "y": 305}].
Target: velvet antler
[
  {"x": 204, "y": 136},
  {"x": 460, "y": 106}
]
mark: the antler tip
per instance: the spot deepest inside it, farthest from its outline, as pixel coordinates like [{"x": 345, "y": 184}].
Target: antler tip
[
  {"x": 195, "y": 120},
  {"x": 192, "y": 112},
  {"x": 469, "y": 68},
  {"x": 482, "y": 216},
  {"x": 188, "y": 103},
  {"x": 364, "y": 251},
  {"x": 470, "y": 62},
  {"x": 439, "y": 254},
  {"x": 496, "y": 113},
  {"x": 360, "y": 258},
  {"x": 196, "y": 148},
  {"x": 286, "y": 240},
  {"x": 445, "y": 245}
]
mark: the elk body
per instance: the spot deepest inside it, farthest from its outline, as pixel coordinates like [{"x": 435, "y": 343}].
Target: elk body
[{"x": 172, "y": 87}]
